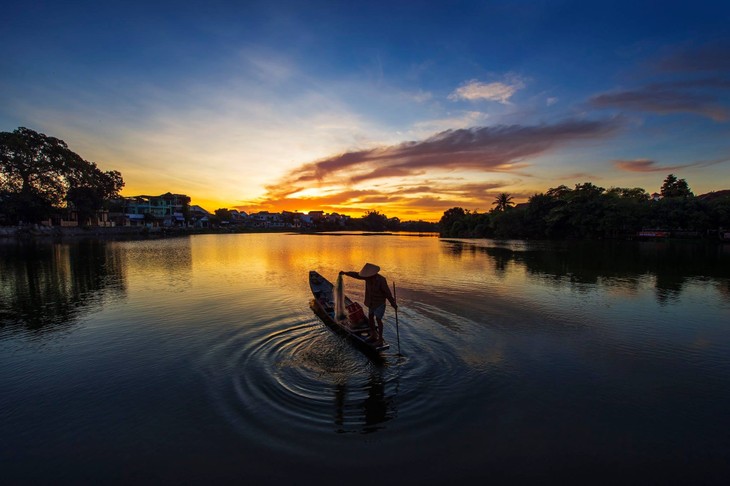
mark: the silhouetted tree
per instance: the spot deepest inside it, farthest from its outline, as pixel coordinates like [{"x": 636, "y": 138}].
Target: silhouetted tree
[
  {"x": 223, "y": 214},
  {"x": 589, "y": 211},
  {"x": 393, "y": 224},
  {"x": 39, "y": 174},
  {"x": 508, "y": 224},
  {"x": 374, "y": 221},
  {"x": 90, "y": 193},
  {"x": 503, "y": 202},
  {"x": 449, "y": 219},
  {"x": 624, "y": 211},
  {"x": 673, "y": 187}
]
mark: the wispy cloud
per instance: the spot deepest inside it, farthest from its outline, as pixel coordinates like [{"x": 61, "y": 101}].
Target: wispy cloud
[
  {"x": 683, "y": 92},
  {"x": 488, "y": 149},
  {"x": 648, "y": 165},
  {"x": 397, "y": 173},
  {"x": 475, "y": 90},
  {"x": 645, "y": 165},
  {"x": 710, "y": 57},
  {"x": 662, "y": 100}
]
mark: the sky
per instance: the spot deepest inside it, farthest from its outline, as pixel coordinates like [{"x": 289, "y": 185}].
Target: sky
[{"x": 408, "y": 108}]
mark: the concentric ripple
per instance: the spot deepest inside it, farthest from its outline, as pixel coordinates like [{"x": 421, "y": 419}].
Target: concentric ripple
[{"x": 291, "y": 382}]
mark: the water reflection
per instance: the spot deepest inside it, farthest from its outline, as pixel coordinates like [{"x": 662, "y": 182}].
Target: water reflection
[
  {"x": 545, "y": 358},
  {"x": 169, "y": 261},
  {"x": 617, "y": 264},
  {"x": 365, "y": 415},
  {"x": 48, "y": 286}
]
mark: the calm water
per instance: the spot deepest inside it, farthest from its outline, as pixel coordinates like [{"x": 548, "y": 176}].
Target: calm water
[{"x": 199, "y": 360}]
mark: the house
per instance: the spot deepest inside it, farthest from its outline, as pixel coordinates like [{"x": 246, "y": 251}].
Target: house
[
  {"x": 292, "y": 219},
  {"x": 337, "y": 219},
  {"x": 237, "y": 217},
  {"x": 265, "y": 219},
  {"x": 100, "y": 218},
  {"x": 165, "y": 210},
  {"x": 198, "y": 216}
]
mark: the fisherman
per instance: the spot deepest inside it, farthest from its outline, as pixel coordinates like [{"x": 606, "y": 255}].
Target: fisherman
[{"x": 376, "y": 292}]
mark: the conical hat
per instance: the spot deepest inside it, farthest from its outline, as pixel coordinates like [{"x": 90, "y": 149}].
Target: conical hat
[{"x": 369, "y": 270}]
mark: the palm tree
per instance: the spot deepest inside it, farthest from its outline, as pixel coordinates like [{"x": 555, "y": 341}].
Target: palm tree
[{"x": 503, "y": 202}]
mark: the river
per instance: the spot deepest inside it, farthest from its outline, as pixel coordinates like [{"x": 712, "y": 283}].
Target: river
[{"x": 199, "y": 360}]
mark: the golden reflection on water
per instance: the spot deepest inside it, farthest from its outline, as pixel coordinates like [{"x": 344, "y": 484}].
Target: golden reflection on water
[{"x": 211, "y": 339}]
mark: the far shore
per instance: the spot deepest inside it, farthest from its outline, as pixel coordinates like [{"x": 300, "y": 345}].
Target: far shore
[
  {"x": 135, "y": 232},
  {"x": 40, "y": 231}
]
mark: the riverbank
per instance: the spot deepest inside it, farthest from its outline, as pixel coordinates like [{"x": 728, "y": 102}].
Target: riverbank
[
  {"x": 119, "y": 232},
  {"x": 141, "y": 232},
  {"x": 138, "y": 232}
]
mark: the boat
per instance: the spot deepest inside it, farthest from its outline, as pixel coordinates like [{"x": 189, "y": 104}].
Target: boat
[{"x": 354, "y": 324}]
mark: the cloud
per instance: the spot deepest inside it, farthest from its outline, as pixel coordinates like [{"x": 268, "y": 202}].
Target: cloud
[
  {"x": 474, "y": 91},
  {"x": 702, "y": 83},
  {"x": 711, "y": 57},
  {"x": 488, "y": 149},
  {"x": 661, "y": 100},
  {"x": 700, "y": 96},
  {"x": 551, "y": 101},
  {"x": 645, "y": 165},
  {"x": 648, "y": 165},
  {"x": 411, "y": 171}
]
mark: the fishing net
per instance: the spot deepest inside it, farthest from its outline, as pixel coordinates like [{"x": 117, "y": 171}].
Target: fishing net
[{"x": 340, "y": 299}]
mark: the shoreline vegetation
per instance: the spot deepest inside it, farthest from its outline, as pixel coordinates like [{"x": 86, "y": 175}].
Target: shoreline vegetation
[
  {"x": 55, "y": 233},
  {"x": 589, "y": 212},
  {"x": 33, "y": 231},
  {"x": 47, "y": 190}
]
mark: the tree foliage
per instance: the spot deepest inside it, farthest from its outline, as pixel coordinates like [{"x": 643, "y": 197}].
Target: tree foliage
[
  {"x": 40, "y": 174},
  {"x": 374, "y": 221},
  {"x": 503, "y": 202},
  {"x": 673, "y": 187},
  {"x": 590, "y": 211},
  {"x": 223, "y": 214}
]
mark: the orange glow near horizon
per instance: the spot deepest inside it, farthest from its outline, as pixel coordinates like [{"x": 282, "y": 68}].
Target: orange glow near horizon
[{"x": 414, "y": 208}]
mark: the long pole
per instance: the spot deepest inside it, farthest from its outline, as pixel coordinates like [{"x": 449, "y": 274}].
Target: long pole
[{"x": 397, "y": 331}]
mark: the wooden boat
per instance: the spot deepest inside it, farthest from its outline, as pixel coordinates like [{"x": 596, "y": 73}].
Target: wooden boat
[{"x": 354, "y": 324}]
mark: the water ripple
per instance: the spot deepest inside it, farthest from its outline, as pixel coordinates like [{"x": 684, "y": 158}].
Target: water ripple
[{"x": 294, "y": 382}]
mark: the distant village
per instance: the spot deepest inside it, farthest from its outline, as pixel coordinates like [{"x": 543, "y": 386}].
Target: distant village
[{"x": 175, "y": 211}]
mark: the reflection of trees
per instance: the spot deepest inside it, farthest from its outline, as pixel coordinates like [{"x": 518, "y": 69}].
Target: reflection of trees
[
  {"x": 46, "y": 286},
  {"x": 364, "y": 415},
  {"x": 616, "y": 262}
]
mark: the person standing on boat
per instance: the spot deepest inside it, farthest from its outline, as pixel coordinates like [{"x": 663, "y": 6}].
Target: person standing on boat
[{"x": 376, "y": 293}]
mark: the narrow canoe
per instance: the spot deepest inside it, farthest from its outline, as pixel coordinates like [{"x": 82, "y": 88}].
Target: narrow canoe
[{"x": 354, "y": 325}]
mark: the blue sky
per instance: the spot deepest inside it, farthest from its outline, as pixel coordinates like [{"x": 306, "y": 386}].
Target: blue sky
[{"x": 409, "y": 108}]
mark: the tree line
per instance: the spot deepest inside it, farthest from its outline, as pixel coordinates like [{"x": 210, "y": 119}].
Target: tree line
[
  {"x": 377, "y": 221},
  {"x": 590, "y": 211},
  {"x": 40, "y": 177},
  {"x": 372, "y": 220}
]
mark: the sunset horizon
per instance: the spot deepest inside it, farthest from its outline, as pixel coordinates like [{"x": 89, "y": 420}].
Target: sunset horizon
[{"x": 407, "y": 110}]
